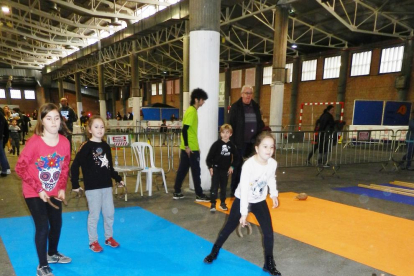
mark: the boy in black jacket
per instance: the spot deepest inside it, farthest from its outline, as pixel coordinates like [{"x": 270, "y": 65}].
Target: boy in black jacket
[{"x": 221, "y": 159}]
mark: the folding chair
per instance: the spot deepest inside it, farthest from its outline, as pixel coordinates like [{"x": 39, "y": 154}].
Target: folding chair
[
  {"x": 123, "y": 141},
  {"x": 143, "y": 152}
]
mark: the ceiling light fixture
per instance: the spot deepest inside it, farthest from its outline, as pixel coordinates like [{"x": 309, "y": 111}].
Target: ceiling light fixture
[{"x": 5, "y": 9}]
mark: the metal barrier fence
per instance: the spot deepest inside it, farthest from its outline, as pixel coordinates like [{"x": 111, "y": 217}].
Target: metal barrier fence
[
  {"x": 293, "y": 148},
  {"x": 325, "y": 149}
]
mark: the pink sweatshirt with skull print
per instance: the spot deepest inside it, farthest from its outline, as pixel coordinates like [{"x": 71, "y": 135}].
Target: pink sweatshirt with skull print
[{"x": 42, "y": 167}]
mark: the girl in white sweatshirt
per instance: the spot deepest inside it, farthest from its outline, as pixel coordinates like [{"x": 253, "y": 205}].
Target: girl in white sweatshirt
[{"x": 258, "y": 178}]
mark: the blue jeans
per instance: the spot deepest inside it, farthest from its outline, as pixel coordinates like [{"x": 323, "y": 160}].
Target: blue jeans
[{"x": 3, "y": 159}]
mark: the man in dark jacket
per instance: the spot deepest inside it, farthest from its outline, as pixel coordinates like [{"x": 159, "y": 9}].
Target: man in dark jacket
[
  {"x": 4, "y": 136},
  {"x": 326, "y": 126},
  {"x": 69, "y": 117},
  {"x": 246, "y": 121}
]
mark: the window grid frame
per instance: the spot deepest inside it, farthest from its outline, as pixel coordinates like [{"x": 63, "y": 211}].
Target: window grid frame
[
  {"x": 398, "y": 60},
  {"x": 29, "y": 90},
  {"x": 355, "y": 69},
  {"x": 310, "y": 70},
  {"x": 14, "y": 90},
  {"x": 331, "y": 67}
]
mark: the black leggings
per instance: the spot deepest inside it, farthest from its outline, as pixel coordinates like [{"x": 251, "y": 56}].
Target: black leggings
[
  {"x": 44, "y": 215},
  {"x": 262, "y": 214}
]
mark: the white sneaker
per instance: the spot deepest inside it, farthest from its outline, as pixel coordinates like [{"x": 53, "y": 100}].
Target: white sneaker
[{"x": 8, "y": 171}]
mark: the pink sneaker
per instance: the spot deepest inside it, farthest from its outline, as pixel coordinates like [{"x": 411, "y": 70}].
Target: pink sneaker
[
  {"x": 96, "y": 247},
  {"x": 111, "y": 242}
]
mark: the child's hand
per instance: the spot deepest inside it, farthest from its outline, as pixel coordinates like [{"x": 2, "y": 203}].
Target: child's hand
[
  {"x": 211, "y": 171},
  {"x": 243, "y": 221},
  {"x": 275, "y": 202},
  {"x": 120, "y": 184},
  {"x": 43, "y": 196},
  {"x": 61, "y": 195},
  {"x": 230, "y": 170},
  {"x": 77, "y": 190}
]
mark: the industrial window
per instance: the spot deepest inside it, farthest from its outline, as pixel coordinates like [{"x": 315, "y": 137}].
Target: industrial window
[
  {"x": 160, "y": 88},
  {"x": 29, "y": 94},
  {"x": 154, "y": 89},
  {"x": 289, "y": 66},
  {"x": 2, "y": 94},
  {"x": 236, "y": 79},
  {"x": 250, "y": 76},
  {"x": 361, "y": 63},
  {"x": 15, "y": 94},
  {"x": 267, "y": 75},
  {"x": 309, "y": 70},
  {"x": 331, "y": 67},
  {"x": 391, "y": 59}
]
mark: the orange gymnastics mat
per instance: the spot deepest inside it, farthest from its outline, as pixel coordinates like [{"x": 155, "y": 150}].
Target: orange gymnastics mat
[{"x": 374, "y": 239}]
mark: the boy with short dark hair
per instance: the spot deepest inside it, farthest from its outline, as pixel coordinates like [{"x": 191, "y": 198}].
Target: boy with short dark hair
[
  {"x": 190, "y": 152},
  {"x": 221, "y": 159}
]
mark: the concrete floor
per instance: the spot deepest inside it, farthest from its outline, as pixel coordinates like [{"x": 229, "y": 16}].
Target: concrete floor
[{"x": 293, "y": 258}]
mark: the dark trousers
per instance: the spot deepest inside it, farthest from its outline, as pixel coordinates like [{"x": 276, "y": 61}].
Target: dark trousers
[
  {"x": 262, "y": 214},
  {"x": 186, "y": 162},
  {"x": 15, "y": 142},
  {"x": 409, "y": 155},
  {"x": 48, "y": 223},
  {"x": 235, "y": 178},
  {"x": 315, "y": 147},
  {"x": 219, "y": 179}
]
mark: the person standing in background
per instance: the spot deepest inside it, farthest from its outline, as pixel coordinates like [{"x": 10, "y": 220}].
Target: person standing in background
[
  {"x": 246, "y": 121},
  {"x": 4, "y": 136},
  {"x": 69, "y": 117}
]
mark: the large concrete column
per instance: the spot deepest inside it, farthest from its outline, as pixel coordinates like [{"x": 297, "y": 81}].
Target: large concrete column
[
  {"x": 78, "y": 94},
  {"x": 149, "y": 92},
  {"x": 406, "y": 67},
  {"x": 279, "y": 64},
  {"x": 124, "y": 99},
  {"x": 343, "y": 75},
  {"x": 227, "y": 89},
  {"x": 164, "y": 91},
  {"x": 8, "y": 98},
  {"x": 205, "y": 51},
  {"x": 258, "y": 82},
  {"x": 135, "y": 91},
  {"x": 294, "y": 91},
  {"x": 181, "y": 113},
  {"x": 186, "y": 72},
  {"x": 114, "y": 90},
  {"x": 101, "y": 87},
  {"x": 61, "y": 90}
]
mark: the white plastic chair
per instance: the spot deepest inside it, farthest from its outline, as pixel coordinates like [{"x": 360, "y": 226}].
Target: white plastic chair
[{"x": 141, "y": 151}]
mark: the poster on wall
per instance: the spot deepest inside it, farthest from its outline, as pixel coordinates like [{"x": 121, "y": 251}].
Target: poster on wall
[
  {"x": 396, "y": 113},
  {"x": 367, "y": 112}
]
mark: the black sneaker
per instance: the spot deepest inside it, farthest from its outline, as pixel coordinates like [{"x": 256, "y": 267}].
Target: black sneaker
[
  {"x": 223, "y": 207},
  {"x": 202, "y": 198},
  {"x": 213, "y": 207},
  {"x": 178, "y": 196}
]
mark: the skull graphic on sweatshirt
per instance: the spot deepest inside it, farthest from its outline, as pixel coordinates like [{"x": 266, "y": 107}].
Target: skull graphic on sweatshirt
[{"x": 49, "y": 168}]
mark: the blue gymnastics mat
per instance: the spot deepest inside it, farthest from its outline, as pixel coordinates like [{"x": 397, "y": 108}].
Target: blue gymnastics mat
[
  {"x": 150, "y": 245},
  {"x": 367, "y": 193}
]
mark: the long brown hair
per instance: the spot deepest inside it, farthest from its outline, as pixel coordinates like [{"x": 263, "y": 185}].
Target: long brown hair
[
  {"x": 90, "y": 123},
  {"x": 43, "y": 111}
]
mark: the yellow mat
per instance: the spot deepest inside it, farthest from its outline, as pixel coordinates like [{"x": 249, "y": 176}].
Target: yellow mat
[{"x": 374, "y": 239}]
